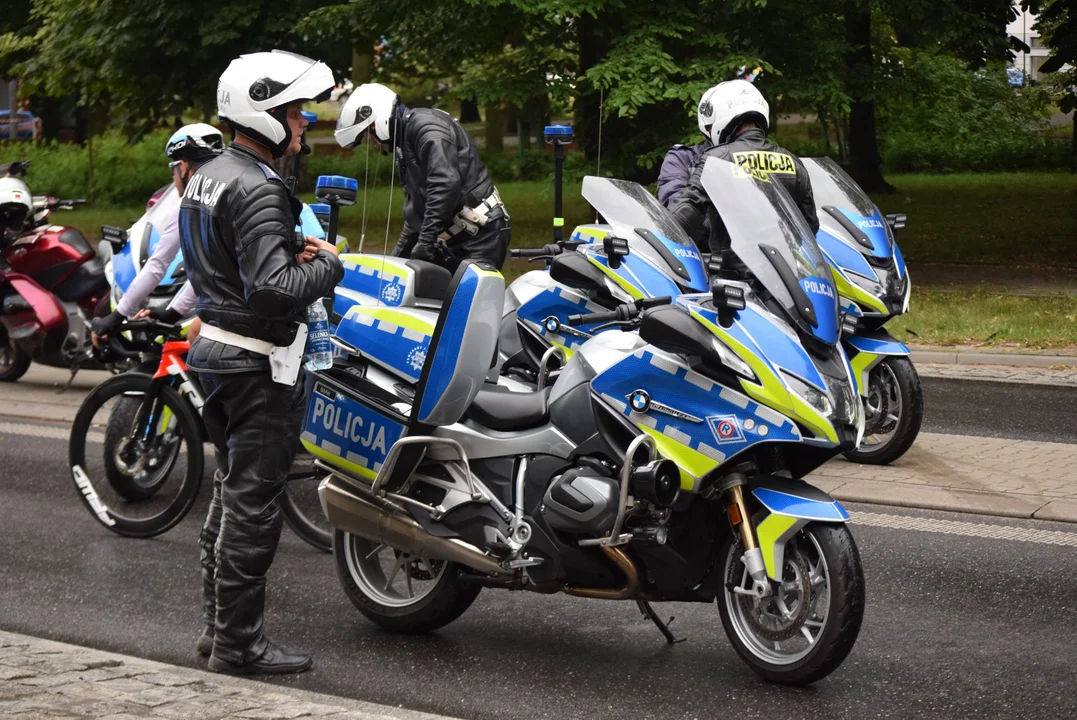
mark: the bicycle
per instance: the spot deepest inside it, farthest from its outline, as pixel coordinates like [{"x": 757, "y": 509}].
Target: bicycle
[{"x": 149, "y": 427}]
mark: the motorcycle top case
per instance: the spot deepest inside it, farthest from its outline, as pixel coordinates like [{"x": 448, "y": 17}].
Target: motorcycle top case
[
  {"x": 345, "y": 428},
  {"x": 378, "y": 280}
]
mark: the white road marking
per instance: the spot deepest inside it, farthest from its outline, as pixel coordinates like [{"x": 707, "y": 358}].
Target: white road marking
[
  {"x": 968, "y": 529},
  {"x": 46, "y": 431},
  {"x": 895, "y": 522}
]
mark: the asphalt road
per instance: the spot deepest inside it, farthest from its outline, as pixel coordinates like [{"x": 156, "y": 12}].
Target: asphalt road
[
  {"x": 1000, "y": 410},
  {"x": 956, "y": 626}
]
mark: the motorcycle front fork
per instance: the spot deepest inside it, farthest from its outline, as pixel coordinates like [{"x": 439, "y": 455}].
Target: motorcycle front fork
[{"x": 753, "y": 555}]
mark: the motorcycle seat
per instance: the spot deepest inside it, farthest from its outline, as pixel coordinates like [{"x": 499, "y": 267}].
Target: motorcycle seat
[
  {"x": 431, "y": 280},
  {"x": 499, "y": 408}
]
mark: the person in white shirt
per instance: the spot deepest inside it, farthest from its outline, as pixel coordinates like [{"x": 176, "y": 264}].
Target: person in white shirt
[{"x": 187, "y": 149}]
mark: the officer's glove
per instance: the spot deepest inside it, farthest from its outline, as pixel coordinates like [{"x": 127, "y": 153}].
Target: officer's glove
[
  {"x": 102, "y": 326},
  {"x": 425, "y": 251},
  {"x": 166, "y": 315}
]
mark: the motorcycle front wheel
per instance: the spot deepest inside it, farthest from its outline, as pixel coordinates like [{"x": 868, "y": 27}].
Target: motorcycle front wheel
[
  {"x": 14, "y": 361},
  {"x": 301, "y": 507},
  {"x": 159, "y": 460},
  {"x": 894, "y": 411},
  {"x": 809, "y": 624}
]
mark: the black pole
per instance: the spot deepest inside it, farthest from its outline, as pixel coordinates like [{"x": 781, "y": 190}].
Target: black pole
[
  {"x": 558, "y": 136},
  {"x": 558, "y": 216},
  {"x": 334, "y": 216}
]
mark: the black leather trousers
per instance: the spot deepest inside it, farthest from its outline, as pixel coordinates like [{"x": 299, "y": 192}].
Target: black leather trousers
[{"x": 254, "y": 425}]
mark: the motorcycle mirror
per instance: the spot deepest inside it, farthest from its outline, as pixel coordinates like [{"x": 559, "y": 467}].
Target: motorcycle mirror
[
  {"x": 114, "y": 236},
  {"x": 615, "y": 249},
  {"x": 727, "y": 299}
]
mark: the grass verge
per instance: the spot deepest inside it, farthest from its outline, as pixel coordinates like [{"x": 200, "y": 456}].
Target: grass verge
[
  {"x": 979, "y": 317},
  {"x": 995, "y": 219}
]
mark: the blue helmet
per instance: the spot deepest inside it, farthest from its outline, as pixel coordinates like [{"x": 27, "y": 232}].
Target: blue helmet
[{"x": 195, "y": 143}]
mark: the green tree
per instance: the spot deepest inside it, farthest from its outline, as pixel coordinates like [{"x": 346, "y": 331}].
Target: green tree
[
  {"x": 145, "y": 62},
  {"x": 1057, "y": 25}
]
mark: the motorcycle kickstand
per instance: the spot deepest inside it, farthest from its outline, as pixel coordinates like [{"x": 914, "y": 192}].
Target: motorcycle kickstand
[
  {"x": 74, "y": 372},
  {"x": 663, "y": 627}
]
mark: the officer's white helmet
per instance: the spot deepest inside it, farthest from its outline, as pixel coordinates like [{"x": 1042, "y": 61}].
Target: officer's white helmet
[
  {"x": 197, "y": 142},
  {"x": 705, "y": 112},
  {"x": 16, "y": 204},
  {"x": 369, "y": 104},
  {"x": 726, "y": 105},
  {"x": 255, "y": 90}
]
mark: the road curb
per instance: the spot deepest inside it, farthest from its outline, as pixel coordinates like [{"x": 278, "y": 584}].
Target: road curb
[
  {"x": 926, "y": 497},
  {"x": 47, "y": 678},
  {"x": 975, "y": 356}
]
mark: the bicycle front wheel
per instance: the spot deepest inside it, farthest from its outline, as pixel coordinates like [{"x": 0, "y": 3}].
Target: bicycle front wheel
[{"x": 136, "y": 455}]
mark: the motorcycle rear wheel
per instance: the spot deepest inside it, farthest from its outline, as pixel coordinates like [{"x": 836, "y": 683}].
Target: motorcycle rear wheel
[
  {"x": 894, "y": 391},
  {"x": 822, "y": 592},
  {"x": 402, "y": 593},
  {"x": 14, "y": 361}
]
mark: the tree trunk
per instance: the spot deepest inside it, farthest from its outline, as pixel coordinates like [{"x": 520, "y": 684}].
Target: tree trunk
[
  {"x": 48, "y": 109},
  {"x": 469, "y": 111},
  {"x": 495, "y": 129},
  {"x": 1073, "y": 147},
  {"x": 362, "y": 60},
  {"x": 826, "y": 132},
  {"x": 592, "y": 48},
  {"x": 865, "y": 165}
]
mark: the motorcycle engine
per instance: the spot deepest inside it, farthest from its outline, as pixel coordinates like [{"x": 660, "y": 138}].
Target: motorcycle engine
[{"x": 582, "y": 501}]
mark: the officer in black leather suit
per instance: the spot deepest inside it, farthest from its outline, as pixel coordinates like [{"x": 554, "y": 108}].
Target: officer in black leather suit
[
  {"x": 254, "y": 280},
  {"x": 443, "y": 178},
  {"x": 737, "y": 117}
]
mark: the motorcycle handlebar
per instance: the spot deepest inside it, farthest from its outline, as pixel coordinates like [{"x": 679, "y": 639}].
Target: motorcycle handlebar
[
  {"x": 134, "y": 348},
  {"x": 535, "y": 253},
  {"x": 622, "y": 313}
]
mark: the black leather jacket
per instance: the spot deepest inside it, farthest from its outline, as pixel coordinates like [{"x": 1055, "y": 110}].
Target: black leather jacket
[
  {"x": 237, "y": 231},
  {"x": 754, "y": 152},
  {"x": 440, "y": 172}
]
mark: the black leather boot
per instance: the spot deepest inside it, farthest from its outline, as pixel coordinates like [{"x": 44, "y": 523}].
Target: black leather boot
[
  {"x": 274, "y": 661},
  {"x": 204, "y": 646}
]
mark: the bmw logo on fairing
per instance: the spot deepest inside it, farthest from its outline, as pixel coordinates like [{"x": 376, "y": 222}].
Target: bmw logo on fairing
[
  {"x": 639, "y": 400},
  {"x": 551, "y": 324}
]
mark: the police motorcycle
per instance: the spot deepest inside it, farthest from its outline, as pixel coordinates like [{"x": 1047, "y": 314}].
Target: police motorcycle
[
  {"x": 640, "y": 251},
  {"x": 873, "y": 284},
  {"x": 663, "y": 464}
]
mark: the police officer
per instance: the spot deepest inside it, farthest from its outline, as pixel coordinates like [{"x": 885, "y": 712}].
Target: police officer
[
  {"x": 736, "y": 118},
  {"x": 452, "y": 211},
  {"x": 253, "y": 278},
  {"x": 678, "y": 162}
]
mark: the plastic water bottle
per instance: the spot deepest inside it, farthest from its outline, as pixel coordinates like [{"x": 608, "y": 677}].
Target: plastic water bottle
[{"x": 319, "y": 349}]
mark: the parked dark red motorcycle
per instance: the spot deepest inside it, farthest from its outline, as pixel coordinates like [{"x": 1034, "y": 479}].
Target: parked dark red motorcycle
[{"x": 51, "y": 282}]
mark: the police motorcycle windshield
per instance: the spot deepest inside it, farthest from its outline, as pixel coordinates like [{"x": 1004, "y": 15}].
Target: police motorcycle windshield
[
  {"x": 652, "y": 232},
  {"x": 833, "y": 188},
  {"x": 771, "y": 237}
]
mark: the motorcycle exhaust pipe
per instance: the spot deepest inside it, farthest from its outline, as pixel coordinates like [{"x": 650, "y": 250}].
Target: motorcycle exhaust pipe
[
  {"x": 349, "y": 511},
  {"x": 629, "y": 591}
]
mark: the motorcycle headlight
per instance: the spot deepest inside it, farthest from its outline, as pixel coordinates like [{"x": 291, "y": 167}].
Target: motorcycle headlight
[{"x": 809, "y": 394}]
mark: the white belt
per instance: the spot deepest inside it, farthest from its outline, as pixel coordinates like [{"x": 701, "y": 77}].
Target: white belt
[
  {"x": 471, "y": 219},
  {"x": 285, "y": 361},
  {"x": 212, "y": 332}
]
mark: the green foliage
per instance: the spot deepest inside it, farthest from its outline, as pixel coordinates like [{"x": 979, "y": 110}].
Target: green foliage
[
  {"x": 941, "y": 117},
  {"x": 123, "y": 173},
  {"x": 143, "y": 62}
]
